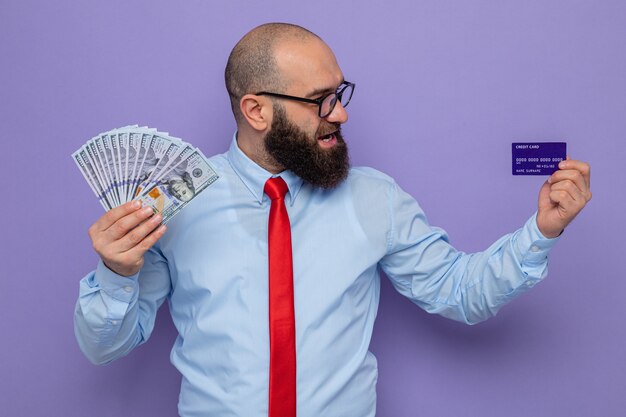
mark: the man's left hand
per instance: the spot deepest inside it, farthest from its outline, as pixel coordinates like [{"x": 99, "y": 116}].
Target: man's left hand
[{"x": 563, "y": 196}]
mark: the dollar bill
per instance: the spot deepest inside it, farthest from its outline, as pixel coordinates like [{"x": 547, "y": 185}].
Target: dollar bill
[
  {"x": 160, "y": 145},
  {"x": 111, "y": 158},
  {"x": 146, "y": 162},
  {"x": 88, "y": 171},
  {"x": 134, "y": 143},
  {"x": 174, "y": 160},
  {"x": 92, "y": 150},
  {"x": 90, "y": 160},
  {"x": 108, "y": 148},
  {"x": 179, "y": 185}
]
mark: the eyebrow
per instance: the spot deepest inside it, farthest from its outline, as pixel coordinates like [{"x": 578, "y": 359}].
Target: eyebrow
[{"x": 328, "y": 90}]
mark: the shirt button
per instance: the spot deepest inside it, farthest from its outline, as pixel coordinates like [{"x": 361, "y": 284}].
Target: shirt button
[
  {"x": 114, "y": 322},
  {"x": 529, "y": 283},
  {"x": 534, "y": 248},
  {"x": 128, "y": 288}
]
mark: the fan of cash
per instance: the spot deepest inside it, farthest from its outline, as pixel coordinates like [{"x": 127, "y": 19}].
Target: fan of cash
[{"x": 140, "y": 163}]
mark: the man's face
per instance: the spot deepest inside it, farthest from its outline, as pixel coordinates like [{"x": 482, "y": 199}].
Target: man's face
[
  {"x": 296, "y": 150},
  {"x": 299, "y": 140},
  {"x": 181, "y": 191}
]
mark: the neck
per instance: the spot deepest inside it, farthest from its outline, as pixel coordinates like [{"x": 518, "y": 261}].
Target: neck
[{"x": 252, "y": 146}]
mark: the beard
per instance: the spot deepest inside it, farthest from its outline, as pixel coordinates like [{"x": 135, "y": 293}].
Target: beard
[{"x": 293, "y": 149}]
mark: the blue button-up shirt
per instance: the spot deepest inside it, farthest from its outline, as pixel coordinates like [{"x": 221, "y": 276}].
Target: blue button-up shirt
[{"x": 212, "y": 267}]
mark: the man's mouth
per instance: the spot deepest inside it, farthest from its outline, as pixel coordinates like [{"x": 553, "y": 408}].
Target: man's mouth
[{"x": 328, "y": 141}]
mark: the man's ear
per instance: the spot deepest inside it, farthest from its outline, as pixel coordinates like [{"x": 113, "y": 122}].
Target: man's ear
[{"x": 257, "y": 111}]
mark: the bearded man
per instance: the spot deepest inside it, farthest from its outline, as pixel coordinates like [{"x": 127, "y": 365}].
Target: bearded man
[{"x": 272, "y": 276}]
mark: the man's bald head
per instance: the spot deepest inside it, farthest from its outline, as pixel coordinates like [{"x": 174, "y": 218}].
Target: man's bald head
[{"x": 252, "y": 65}]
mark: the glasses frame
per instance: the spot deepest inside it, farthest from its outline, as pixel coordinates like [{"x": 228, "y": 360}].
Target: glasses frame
[{"x": 319, "y": 101}]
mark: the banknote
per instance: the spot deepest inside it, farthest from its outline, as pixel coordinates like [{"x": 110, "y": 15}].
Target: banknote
[
  {"x": 92, "y": 164},
  {"x": 89, "y": 172},
  {"x": 160, "y": 147},
  {"x": 141, "y": 163},
  {"x": 134, "y": 143},
  {"x": 92, "y": 149},
  {"x": 172, "y": 161},
  {"x": 146, "y": 161},
  {"x": 105, "y": 151},
  {"x": 179, "y": 185}
]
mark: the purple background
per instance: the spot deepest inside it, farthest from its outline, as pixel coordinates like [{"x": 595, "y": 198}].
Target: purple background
[{"x": 443, "y": 88}]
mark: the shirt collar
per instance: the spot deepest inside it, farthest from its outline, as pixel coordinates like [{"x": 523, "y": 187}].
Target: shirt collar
[{"x": 254, "y": 176}]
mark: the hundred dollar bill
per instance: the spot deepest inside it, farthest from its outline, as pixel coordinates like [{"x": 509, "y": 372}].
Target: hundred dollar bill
[
  {"x": 122, "y": 161},
  {"x": 118, "y": 139},
  {"x": 94, "y": 161},
  {"x": 94, "y": 156},
  {"x": 111, "y": 154},
  {"x": 160, "y": 145},
  {"x": 179, "y": 185},
  {"x": 175, "y": 147},
  {"x": 116, "y": 156},
  {"x": 104, "y": 147},
  {"x": 134, "y": 143},
  {"x": 139, "y": 142},
  {"x": 86, "y": 168},
  {"x": 177, "y": 157},
  {"x": 146, "y": 161},
  {"x": 129, "y": 147}
]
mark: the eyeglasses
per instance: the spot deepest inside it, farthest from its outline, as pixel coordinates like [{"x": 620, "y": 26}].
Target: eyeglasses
[{"x": 326, "y": 103}]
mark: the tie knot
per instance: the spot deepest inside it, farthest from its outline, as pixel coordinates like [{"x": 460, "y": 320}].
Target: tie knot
[{"x": 276, "y": 188}]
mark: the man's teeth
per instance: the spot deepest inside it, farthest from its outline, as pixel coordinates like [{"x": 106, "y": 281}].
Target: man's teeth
[{"x": 327, "y": 137}]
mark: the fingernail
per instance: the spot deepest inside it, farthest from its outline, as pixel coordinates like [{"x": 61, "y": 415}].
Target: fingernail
[
  {"x": 136, "y": 204},
  {"x": 157, "y": 218},
  {"x": 562, "y": 164},
  {"x": 549, "y": 180},
  {"x": 147, "y": 210}
]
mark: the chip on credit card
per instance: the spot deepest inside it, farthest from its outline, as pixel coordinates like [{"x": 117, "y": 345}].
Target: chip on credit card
[{"x": 537, "y": 158}]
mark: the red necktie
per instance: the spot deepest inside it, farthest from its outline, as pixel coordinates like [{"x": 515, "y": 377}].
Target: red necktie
[{"x": 282, "y": 387}]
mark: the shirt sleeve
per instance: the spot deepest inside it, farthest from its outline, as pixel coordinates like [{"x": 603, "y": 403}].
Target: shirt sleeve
[
  {"x": 470, "y": 288},
  {"x": 114, "y": 314}
]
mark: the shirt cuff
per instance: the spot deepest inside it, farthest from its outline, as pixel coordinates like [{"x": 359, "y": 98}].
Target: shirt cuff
[
  {"x": 116, "y": 286},
  {"x": 531, "y": 246}
]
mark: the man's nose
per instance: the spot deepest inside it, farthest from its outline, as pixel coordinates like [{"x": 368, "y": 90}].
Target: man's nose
[{"x": 338, "y": 115}]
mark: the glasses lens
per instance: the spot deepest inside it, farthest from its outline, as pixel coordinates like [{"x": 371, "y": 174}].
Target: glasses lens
[
  {"x": 328, "y": 105},
  {"x": 346, "y": 94}
]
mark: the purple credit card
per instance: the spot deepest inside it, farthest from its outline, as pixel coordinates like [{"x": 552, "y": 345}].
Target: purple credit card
[{"x": 537, "y": 158}]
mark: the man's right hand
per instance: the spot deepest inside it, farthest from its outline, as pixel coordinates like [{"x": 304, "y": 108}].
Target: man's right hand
[{"x": 124, "y": 234}]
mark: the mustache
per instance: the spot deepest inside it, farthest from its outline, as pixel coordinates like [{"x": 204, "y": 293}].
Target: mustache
[{"x": 328, "y": 128}]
